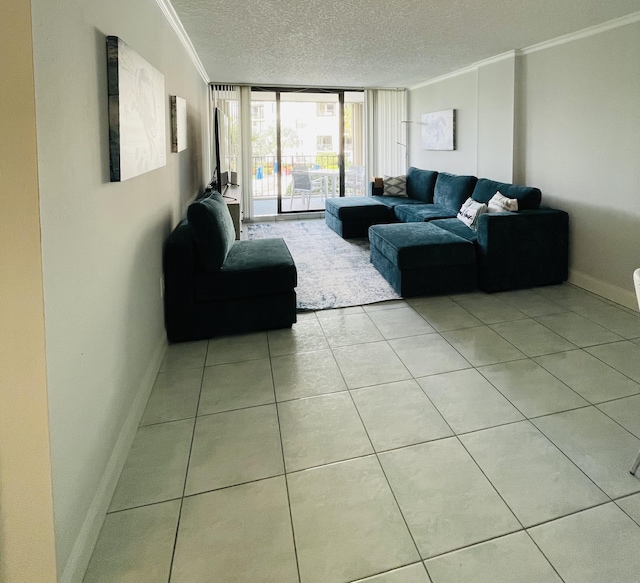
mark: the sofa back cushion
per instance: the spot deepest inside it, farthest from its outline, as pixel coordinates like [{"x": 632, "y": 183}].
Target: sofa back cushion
[
  {"x": 213, "y": 229},
  {"x": 528, "y": 197},
  {"x": 420, "y": 184},
  {"x": 451, "y": 191}
]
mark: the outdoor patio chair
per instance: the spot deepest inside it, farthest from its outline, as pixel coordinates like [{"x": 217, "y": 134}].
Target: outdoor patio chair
[
  {"x": 303, "y": 184},
  {"x": 354, "y": 180}
]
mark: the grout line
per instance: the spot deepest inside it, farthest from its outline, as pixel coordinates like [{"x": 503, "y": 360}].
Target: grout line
[
  {"x": 615, "y": 421},
  {"x": 544, "y": 555},
  {"x": 389, "y": 571},
  {"x": 567, "y": 456},
  {"x": 606, "y": 363},
  {"x": 490, "y": 482},
  {"x": 635, "y": 520},
  {"x": 186, "y": 474},
  {"x": 475, "y": 544},
  {"x": 572, "y": 513},
  {"x": 374, "y": 449},
  {"x": 145, "y": 505},
  {"x": 377, "y": 453},
  {"x": 284, "y": 468},
  {"x": 229, "y": 486}
]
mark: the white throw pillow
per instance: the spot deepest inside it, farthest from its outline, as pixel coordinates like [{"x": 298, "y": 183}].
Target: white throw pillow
[
  {"x": 470, "y": 211},
  {"x": 500, "y": 203},
  {"x": 394, "y": 186}
]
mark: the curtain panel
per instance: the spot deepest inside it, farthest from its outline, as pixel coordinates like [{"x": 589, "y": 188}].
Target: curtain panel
[
  {"x": 235, "y": 101},
  {"x": 385, "y": 135}
]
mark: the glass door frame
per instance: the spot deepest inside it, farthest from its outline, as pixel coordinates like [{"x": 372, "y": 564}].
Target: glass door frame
[{"x": 341, "y": 141}]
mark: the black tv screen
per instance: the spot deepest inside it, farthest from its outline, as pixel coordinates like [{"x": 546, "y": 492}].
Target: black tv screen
[{"x": 220, "y": 151}]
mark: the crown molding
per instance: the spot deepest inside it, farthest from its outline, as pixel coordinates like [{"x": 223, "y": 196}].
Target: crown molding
[
  {"x": 584, "y": 33},
  {"x": 469, "y": 69},
  {"x": 175, "y": 22}
]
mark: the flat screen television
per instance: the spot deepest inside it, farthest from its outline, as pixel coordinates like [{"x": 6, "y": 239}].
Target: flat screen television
[{"x": 220, "y": 176}]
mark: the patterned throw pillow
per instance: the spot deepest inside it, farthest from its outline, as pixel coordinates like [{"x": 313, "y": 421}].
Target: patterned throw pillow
[{"x": 394, "y": 186}]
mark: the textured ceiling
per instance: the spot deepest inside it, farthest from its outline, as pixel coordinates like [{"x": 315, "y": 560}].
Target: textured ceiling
[{"x": 373, "y": 43}]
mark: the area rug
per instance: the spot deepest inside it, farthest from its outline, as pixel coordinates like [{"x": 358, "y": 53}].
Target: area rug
[{"x": 332, "y": 272}]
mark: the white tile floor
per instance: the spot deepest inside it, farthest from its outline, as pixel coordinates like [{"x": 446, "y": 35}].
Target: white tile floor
[{"x": 463, "y": 438}]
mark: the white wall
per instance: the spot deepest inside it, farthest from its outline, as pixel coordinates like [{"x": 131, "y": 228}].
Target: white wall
[
  {"x": 483, "y": 98},
  {"x": 27, "y": 549},
  {"x": 579, "y": 141},
  {"x": 460, "y": 93},
  {"x": 101, "y": 249},
  {"x": 565, "y": 118},
  {"x": 496, "y": 104}
]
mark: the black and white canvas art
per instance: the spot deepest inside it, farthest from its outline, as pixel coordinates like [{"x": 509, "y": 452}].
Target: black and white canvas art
[{"x": 137, "y": 139}]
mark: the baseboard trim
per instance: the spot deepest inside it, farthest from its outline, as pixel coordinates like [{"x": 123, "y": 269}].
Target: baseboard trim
[
  {"x": 85, "y": 542},
  {"x": 606, "y": 290}
]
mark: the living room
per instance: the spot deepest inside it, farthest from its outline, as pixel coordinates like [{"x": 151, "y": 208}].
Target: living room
[{"x": 83, "y": 332}]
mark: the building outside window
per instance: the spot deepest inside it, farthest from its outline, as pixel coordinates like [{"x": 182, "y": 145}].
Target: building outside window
[
  {"x": 325, "y": 143},
  {"x": 326, "y": 109}
]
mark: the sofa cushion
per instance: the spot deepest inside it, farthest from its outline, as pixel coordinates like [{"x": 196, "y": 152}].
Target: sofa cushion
[
  {"x": 420, "y": 184},
  {"x": 357, "y": 207},
  {"x": 257, "y": 267},
  {"x": 213, "y": 229},
  {"x": 451, "y": 191},
  {"x": 420, "y": 245},
  {"x": 393, "y": 201},
  {"x": 419, "y": 213},
  {"x": 457, "y": 228},
  {"x": 528, "y": 197}
]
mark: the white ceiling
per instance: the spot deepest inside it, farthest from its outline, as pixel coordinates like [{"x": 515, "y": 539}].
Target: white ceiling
[{"x": 373, "y": 43}]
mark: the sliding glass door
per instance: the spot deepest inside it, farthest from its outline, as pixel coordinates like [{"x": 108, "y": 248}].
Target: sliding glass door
[{"x": 307, "y": 146}]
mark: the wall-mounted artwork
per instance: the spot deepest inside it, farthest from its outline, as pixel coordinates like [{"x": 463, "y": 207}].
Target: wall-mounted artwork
[
  {"x": 178, "y": 124},
  {"x": 439, "y": 130},
  {"x": 137, "y": 140}
]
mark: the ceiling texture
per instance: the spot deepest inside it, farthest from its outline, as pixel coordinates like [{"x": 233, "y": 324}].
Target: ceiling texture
[{"x": 373, "y": 43}]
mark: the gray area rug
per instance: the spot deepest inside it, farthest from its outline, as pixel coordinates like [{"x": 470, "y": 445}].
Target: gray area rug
[{"x": 332, "y": 272}]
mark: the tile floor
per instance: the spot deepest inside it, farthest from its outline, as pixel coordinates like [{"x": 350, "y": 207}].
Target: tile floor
[{"x": 448, "y": 439}]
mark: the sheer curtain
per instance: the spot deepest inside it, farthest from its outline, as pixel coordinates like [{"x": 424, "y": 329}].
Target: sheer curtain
[
  {"x": 385, "y": 135},
  {"x": 235, "y": 101},
  {"x": 246, "y": 176},
  {"x": 225, "y": 97}
]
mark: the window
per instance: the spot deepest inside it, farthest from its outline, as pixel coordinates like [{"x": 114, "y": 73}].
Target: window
[
  {"x": 326, "y": 109},
  {"x": 257, "y": 112},
  {"x": 325, "y": 144}
]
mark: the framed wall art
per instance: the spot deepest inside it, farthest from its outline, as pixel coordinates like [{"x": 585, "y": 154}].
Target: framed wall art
[
  {"x": 137, "y": 140},
  {"x": 439, "y": 130},
  {"x": 178, "y": 124}
]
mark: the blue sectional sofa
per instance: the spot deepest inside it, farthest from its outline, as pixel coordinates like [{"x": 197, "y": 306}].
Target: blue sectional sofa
[
  {"x": 526, "y": 248},
  {"x": 216, "y": 285}
]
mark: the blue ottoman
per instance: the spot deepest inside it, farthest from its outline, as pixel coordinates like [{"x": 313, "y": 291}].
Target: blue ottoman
[
  {"x": 422, "y": 259},
  {"x": 352, "y": 216}
]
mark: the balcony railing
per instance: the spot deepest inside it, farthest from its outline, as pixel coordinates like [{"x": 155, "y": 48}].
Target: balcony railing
[{"x": 265, "y": 173}]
